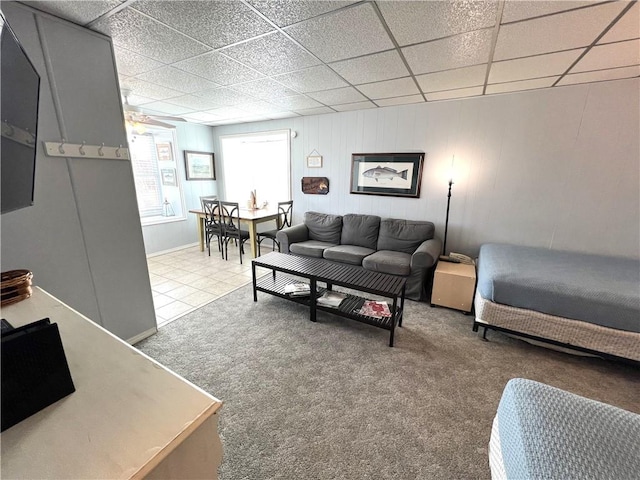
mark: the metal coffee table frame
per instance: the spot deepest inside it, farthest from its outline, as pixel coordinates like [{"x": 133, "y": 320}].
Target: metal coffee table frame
[{"x": 331, "y": 273}]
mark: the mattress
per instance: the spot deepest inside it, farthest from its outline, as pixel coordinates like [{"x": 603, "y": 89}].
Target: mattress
[{"x": 597, "y": 289}]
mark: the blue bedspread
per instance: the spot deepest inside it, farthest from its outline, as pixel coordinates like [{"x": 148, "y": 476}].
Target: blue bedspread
[{"x": 593, "y": 288}]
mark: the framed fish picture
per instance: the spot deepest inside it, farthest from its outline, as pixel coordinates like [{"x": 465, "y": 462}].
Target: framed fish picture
[{"x": 393, "y": 174}]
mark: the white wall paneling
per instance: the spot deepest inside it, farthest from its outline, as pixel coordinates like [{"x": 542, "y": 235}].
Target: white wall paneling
[
  {"x": 82, "y": 238},
  {"x": 558, "y": 168}
]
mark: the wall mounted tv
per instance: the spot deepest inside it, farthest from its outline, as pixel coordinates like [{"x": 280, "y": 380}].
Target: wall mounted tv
[{"x": 19, "y": 89}]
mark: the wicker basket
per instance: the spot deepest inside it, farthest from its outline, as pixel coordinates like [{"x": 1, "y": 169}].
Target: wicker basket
[{"x": 15, "y": 286}]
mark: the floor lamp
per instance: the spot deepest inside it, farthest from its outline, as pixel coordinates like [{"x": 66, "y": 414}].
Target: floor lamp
[{"x": 446, "y": 222}]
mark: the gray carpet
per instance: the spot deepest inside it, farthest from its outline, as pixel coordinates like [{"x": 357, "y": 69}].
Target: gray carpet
[{"x": 330, "y": 400}]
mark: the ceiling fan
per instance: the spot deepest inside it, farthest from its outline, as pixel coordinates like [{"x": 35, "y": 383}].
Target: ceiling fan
[{"x": 136, "y": 118}]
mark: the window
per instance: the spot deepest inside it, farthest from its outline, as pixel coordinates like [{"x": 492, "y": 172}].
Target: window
[
  {"x": 153, "y": 160},
  {"x": 259, "y": 162}
]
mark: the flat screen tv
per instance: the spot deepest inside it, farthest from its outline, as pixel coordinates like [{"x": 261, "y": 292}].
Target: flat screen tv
[{"x": 19, "y": 89}]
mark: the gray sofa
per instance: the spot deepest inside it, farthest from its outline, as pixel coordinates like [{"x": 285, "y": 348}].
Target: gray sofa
[{"x": 388, "y": 245}]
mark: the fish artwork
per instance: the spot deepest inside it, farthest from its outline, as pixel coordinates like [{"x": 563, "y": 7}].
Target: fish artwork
[{"x": 384, "y": 173}]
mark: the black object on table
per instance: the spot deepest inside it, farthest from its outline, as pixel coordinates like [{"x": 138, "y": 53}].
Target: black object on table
[{"x": 332, "y": 273}]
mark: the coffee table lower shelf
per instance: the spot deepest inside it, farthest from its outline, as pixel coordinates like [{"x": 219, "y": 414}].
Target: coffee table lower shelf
[{"x": 348, "y": 307}]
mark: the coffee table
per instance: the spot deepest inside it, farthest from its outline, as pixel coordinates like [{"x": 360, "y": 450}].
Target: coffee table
[{"x": 331, "y": 273}]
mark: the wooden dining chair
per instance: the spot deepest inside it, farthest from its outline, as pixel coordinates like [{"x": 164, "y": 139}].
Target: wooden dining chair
[
  {"x": 231, "y": 228},
  {"x": 212, "y": 223},
  {"x": 285, "y": 216}
]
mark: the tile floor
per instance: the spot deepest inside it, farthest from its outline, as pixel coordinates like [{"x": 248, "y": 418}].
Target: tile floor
[{"x": 187, "y": 279}]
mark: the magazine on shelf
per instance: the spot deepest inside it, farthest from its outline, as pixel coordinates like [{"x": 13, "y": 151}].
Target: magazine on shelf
[
  {"x": 372, "y": 308},
  {"x": 297, "y": 289},
  {"x": 331, "y": 299}
]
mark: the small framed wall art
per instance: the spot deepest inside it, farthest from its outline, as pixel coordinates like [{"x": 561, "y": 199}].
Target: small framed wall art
[
  {"x": 315, "y": 185},
  {"x": 392, "y": 174},
  {"x": 165, "y": 152},
  {"x": 314, "y": 161},
  {"x": 169, "y": 177},
  {"x": 199, "y": 165}
]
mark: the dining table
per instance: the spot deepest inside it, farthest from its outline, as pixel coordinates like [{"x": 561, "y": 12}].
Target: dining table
[{"x": 248, "y": 216}]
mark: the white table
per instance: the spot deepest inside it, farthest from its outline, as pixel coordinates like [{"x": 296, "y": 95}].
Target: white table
[{"x": 129, "y": 417}]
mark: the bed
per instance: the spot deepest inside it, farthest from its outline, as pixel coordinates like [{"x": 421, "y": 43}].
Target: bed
[{"x": 586, "y": 303}]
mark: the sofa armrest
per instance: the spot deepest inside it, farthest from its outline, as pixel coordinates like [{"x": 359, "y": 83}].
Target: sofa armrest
[
  {"x": 294, "y": 234},
  {"x": 426, "y": 255}
]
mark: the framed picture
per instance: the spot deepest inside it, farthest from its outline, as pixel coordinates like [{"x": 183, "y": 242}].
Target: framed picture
[
  {"x": 169, "y": 178},
  {"x": 315, "y": 185},
  {"x": 314, "y": 161},
  {"x": 199, "y": 165},
  {"x": 393, "y": 174},
  {"x": 165, "y": 152}
]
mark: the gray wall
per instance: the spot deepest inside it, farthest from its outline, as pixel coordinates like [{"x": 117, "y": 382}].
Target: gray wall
[
  {"x": 168, "y": 236},
  {"x": 556, "y": 168},
  {"x": 82, "y": 239}
]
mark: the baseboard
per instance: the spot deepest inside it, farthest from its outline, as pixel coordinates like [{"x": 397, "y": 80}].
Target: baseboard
[
  {"x": 171, "y": 250},
  {"x": 142, "y": 336}
]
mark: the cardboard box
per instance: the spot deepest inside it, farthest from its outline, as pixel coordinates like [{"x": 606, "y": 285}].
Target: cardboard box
[{"x": 454, "y": 286}]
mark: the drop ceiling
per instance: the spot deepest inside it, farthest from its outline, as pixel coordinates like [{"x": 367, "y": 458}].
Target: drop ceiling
[{"x": 219, "y": 62}]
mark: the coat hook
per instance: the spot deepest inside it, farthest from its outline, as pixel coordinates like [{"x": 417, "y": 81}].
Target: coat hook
[
  {"x": 100, "y": 152},
  {"x": 60, "y": 147},
  {"x": 10, "y": 127},
  {"x": 81, "y": 148},
  {"x": 118, "y": 151}
]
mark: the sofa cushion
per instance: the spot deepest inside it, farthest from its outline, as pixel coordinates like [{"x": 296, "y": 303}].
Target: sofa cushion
[
  {"x": 360, "y": 230},
  {"x": 352, "y": 254},
  {"x": 387, "y": 261},
  {"x": 323, "y": 227},
  {"x": 403, "y": 235},
  {"x": 310, "y": 248}
]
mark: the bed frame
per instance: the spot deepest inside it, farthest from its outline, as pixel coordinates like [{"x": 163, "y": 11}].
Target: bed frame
[{"x": 573, "y": 335}]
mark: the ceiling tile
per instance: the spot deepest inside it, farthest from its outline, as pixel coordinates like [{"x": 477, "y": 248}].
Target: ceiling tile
[
  {"x": 218, "y": 68},
  {"x": 555, "y": 32},
  {"x": 315, "y": 111},
  {"x": 177, "y": 79},
  {"x": 518, "y": 9},
  {"x": 354, "y": 106},
  {"x": 390, "y": 88},
  {"x": 388, "y": 102},
  {"x": 415, "y": 22},
  {"x": 193, "y": 102},
  {"x": 626, "y": 28},
  {"x": 372, "y": 68},
  {"x": 167, "y": 108},
  {"x": 453, "y": 79},
  {"x": 451, "y": 94},
  {"x": 532, "y": 67},
  {"x": 133, "y": 99},
  {"x": 601, "y": 75},
  {"x": 282, "y": 115},
  {"x": 261, "y": 107},
  {"x": 286, "y": 12},
  {"x": 225, "y": 96},
  {"x": 141, "y": 34},
  {"x": 217, "y": 23},
  {"x": 311, "y": 79},
  {"x": 264, "y": 89},
  {"x": 130, "y": 63},
  {"x": 355, "y": 31},
  {"x": 147, "y": 89},
  {"x": 272, "y": 54},
  {"x": 227, "y": 112},
  {"x": 296, "y": 102},
  {"x": 78, "y": 12},
  {"x": 338, "y": 95},
  {"x": 199, "y": 117},
  {"x": 521, "y": 85},
  {"x": 460, "y": 51},
  {"x": 612, "y": 55}
]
